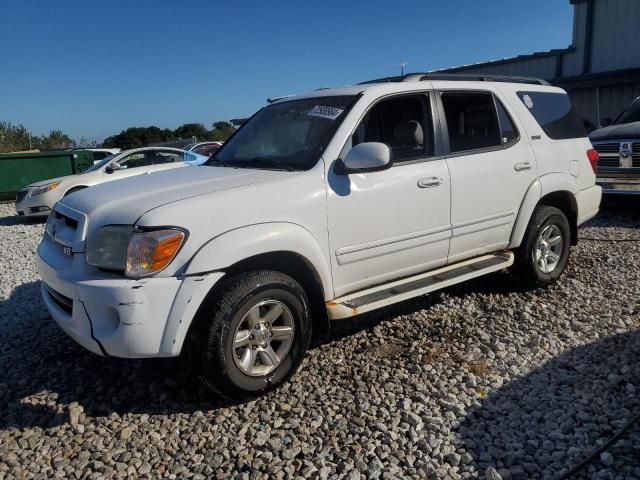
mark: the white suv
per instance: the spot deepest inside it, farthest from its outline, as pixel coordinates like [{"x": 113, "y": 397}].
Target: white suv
[{"x": 320, "y": 207}]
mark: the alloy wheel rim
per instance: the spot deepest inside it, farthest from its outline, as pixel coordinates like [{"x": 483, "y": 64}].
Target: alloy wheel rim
[
  {"x": 263, "y": 338},
  {"x": 548, "y": 250}
]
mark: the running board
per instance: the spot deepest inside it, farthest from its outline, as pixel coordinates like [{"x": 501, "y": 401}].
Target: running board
[{"x": 390, "y": 293}]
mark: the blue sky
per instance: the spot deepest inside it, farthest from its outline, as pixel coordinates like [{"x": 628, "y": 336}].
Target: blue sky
[{"x": 94, "y": 68}]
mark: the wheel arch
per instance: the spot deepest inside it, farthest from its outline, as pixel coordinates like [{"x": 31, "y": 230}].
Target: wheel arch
[{"x": 553, "y": 190}]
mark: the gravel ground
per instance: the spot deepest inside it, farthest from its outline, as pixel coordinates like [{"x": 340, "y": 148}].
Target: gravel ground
[{"x": 483, "y": 380}]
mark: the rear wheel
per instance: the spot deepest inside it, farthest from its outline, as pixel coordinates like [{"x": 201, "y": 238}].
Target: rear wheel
[
  {"x": 544, "y": 251},
  {"x": 253, "y": 335}
]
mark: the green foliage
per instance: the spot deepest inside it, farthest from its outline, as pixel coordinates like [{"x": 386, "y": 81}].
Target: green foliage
[
  {"x": 221, "y": 131},
  {"x": 15, "y": 138},
  {"x": 136, "y": 137}
]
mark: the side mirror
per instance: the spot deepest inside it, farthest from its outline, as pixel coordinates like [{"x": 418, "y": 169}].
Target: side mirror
[
  {"x": 605, "y": 122},
  {"x": 112, "y": 167},
  {"x": 367, "y": 157}
]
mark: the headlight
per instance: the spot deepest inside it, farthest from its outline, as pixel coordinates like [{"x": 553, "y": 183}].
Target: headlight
[
  {"x": 44, "y": 188},
  {"x": 149, "y": 252},
  {"x": 136, "y": 253}
]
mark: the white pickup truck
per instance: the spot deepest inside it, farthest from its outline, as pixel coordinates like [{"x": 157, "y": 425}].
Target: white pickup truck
[{"x": 320, "y": 207}]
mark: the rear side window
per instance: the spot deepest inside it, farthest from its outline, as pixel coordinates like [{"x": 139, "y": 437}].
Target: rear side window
[
  {"x": 507, "y": 129},
  {"x": 554, "y": 114},
  {"x": 472, "y": 120}
]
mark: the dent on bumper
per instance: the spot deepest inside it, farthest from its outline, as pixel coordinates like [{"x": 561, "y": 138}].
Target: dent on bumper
[{"x": 116, "y": 316}]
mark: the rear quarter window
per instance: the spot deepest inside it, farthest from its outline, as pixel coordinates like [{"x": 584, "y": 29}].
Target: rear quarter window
[{"x": 554, "y": 113}]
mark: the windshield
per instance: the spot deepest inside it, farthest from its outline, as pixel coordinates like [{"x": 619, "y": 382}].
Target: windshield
[
  {"x": 285, "y": 136},
  {"x": 101, "y": 163},
  {"x": 631, "y": 114}
]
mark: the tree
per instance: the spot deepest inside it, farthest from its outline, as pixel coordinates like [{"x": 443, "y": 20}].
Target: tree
[
  {"x": 136, "y": 137},
  {"x": 221, "y": 131},
  {"x": 189, "y": 130}
]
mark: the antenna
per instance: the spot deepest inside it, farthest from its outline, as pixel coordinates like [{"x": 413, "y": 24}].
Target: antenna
[{"x": 401, "y": 67}]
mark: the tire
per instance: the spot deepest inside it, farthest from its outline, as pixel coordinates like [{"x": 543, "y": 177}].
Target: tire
[
  {"x": 529, "y": 265},
  {"x": 251, "y": 369}
]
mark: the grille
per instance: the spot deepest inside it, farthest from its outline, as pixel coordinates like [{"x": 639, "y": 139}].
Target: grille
[
  {"x": 608, "y": 147},
  {"x": 65, "y": 303},
  {"x": 69, "y": 222},
  {"x": 610, "y": 155},
  {"x": 21, "y": 195},
  {"x": 609, "y": 161}
]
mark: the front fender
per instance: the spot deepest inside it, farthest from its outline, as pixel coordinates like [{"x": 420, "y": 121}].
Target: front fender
[{"x": 236, "y": 245}]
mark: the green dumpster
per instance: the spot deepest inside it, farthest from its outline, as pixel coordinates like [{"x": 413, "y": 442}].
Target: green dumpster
[{"x": 20, "y": 169}]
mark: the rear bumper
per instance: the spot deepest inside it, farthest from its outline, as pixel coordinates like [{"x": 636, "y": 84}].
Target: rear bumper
[{"x": 588, "y": 202}]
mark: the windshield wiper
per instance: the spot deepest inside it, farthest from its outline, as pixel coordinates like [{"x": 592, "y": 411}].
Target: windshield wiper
[
  {"x": 260, "y": 162},
  {"x": 215, "y": 163}
]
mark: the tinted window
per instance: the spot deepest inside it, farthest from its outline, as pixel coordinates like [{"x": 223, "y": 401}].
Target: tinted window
[
  {"x": 554, "y": 114},
  {"x": 100, "y": 155},
  {"x": 631, "y": 114},
  {"x": 472, "y": 121},
  {"x": 168, "y": 157},
  {"x": 403, "y": 123},
  {"x": 137, "y": 160},
  {"x": 507, "y": 129}
]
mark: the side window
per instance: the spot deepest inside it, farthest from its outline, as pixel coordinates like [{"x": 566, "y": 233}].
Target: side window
[
  {"x": 508, "y": 130},
  {"x": 554, "y": 114},
  {"x": 168, "y": 157},
  {"x": 404, "y": 123},
  {"x": 472, "y": 121},
  {"x": 137, "y": 160}
]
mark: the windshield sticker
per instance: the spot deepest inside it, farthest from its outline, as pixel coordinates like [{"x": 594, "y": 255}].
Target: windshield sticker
[
  {"x": 325, "y": 112},
  {"x": 527, "y": 101}
]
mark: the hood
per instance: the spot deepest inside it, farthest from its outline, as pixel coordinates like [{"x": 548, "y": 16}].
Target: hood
[
  {"x": 62, "y": 179},
  {"x": 625, "y": 131},
  {"x": 124, "y": 201}
]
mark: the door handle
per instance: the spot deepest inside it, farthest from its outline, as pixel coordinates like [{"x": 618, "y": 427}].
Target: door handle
[
  {"x": 429, "y": 182},
  {"x": 522, "y": 166}
]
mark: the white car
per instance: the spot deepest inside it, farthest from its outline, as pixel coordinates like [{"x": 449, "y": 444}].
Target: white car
[
  {"x": 321, "y": 207},
  {"x": 37, "y": 199}
]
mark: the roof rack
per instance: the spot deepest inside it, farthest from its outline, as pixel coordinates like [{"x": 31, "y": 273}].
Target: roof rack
[
  {"x": 416, "y": 77},
  {"x": 484, "y": 78}
]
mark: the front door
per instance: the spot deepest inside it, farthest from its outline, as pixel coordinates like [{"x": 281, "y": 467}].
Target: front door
[
  {"x": 491, "y": 169},
  {"x": 392, "y": 223}
]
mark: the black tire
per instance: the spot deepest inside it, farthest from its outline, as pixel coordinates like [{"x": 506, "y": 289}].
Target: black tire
[
  {"x": 211, "y": 347},
  {"x": 525, "y": 268}
]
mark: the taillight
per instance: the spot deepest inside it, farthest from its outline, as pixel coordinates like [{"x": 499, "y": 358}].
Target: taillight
[{"x": 593, "y": 156}]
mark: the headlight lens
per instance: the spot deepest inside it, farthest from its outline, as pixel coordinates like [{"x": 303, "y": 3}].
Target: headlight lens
[
  {"x": 107, "y": 248},
  {"x": 136, "y": 253},
  {"x": 149, "y": 252},
  {"x": 44, "y": 188}
]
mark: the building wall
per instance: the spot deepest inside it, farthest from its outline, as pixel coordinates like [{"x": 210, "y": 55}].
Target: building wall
[
  {"x": 615, "y": 45},
  {"x": 616, "y": 35}
]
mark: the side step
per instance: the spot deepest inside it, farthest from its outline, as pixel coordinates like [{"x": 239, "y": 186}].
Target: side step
[{"x": 390, "y": 293}]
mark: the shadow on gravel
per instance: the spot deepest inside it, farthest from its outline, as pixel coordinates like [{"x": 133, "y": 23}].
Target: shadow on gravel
[
  {"x": 19, "y": 220},
  {"x": 43, "y": 370},
  {"x": 547, "y": 421}
]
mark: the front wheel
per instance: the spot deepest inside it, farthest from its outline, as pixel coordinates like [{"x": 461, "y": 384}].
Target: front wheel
[
  {"x": 544, "y": 251},
  {"x": 253, "y": 335}
]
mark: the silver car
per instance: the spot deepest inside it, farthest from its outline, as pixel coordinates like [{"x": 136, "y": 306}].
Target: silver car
[{"x": 37, "y": 199}]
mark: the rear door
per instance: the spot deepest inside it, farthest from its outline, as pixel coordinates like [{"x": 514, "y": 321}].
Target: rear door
[{"x": 491, "y": 168}]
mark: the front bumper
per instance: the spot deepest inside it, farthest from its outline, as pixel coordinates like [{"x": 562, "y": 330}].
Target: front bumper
[
  {"x": 106, "y": 313},
  {"x": 619, "y": 185},
  {"x": 37, "y": 207}
]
